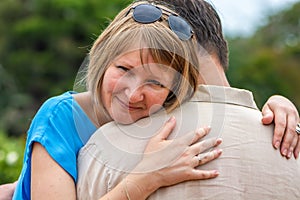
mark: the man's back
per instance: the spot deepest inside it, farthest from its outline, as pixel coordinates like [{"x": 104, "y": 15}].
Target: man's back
[{"x": 249, "y": 167}]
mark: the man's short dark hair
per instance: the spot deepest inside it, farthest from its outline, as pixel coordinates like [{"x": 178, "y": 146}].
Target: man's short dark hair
[{"x": 205, "y": 22}]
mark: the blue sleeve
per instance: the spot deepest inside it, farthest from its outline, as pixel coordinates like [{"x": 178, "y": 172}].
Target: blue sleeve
[{"x": 54, "y": 128}]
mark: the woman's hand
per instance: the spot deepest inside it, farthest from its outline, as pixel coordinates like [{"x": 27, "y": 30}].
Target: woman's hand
[
  {"x": 168, "y": 162},
  {"x": 283, "y": 113},
  {"x": 7, "y": 191}
]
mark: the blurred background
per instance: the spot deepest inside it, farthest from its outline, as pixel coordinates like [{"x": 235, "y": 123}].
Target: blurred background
[{"x": 44, "y": 42}]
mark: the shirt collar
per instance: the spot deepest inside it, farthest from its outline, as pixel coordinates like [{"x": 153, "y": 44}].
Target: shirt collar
[{"x": 221, "y": 94}]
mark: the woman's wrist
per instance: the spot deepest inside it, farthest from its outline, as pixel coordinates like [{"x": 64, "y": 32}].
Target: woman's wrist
[{"x": 140, "y": 185}]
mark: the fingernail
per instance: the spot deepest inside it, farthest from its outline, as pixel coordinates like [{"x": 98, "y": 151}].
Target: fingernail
[
  {"x": 277, "y": 144},
  {"x": 171, "y": 119},
  {"x": 291, "y": 150},
  {"x": 289, "y": 154},
  {"x": 284, "y": 152},
  {"x": 219, "y": 140},
  {"x": 207, "y": 129},
  {"x": 219, "y": 151}
]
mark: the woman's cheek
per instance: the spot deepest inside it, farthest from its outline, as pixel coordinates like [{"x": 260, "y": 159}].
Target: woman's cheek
[
  {"x": 160, "y": 98},
  {"x": 110, "y": 84}
]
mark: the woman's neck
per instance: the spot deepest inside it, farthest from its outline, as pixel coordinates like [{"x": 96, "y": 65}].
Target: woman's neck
[{"x": 88, "y": 105}]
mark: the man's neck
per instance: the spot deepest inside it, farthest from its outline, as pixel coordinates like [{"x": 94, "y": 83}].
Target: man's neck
[{"x": 211, "y": 72}]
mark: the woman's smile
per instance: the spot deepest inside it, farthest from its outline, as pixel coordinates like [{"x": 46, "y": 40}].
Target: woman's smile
[{"x": 126, "y": 105}]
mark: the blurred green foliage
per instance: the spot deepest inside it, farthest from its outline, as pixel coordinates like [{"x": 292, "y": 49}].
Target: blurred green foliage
[
  {"x": 268, "y": 62},
  {"x": 42, "y": 45},
  {"x": 44, "y": 42},
  {"x": 11, "y": 158}
]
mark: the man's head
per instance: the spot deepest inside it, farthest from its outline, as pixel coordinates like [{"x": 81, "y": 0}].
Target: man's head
[{"x": 206, "y": 24}]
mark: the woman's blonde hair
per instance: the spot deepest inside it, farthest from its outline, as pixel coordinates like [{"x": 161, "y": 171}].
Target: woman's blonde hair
[{"x": 124, "y": 34}]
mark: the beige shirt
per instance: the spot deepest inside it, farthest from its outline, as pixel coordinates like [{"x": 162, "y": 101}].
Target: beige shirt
[{"x": 249, "y": 167}]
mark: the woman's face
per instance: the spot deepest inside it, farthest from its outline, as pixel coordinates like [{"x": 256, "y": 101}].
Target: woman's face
[{"x": 131, "y": 91}]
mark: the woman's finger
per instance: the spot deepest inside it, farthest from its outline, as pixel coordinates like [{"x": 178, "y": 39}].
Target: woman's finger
[
  {"x": 206, "y": 157},
  {"x": 205, "y": 145},
  {"x": 204, "y": 174},
  {"x": 200, "y": 133},
  {"x": 293, "y": 146},
  {"x": 290, "y": 137},
  {"x": 297, "y": 149},
  {"x": 166, "y": 129},
  {"x": 194, "y": 136},
  {"x": 157, "y": 142}
]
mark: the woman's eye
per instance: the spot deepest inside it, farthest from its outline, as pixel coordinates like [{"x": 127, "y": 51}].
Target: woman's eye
[
  {"x": 157, "y": 83},
  {"x": 122, "y": 68}
]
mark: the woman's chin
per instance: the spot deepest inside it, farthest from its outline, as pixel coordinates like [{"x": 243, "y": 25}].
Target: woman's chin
[
  {"x": 127, "y": 120},
  {"x": 124, "y": 120}
]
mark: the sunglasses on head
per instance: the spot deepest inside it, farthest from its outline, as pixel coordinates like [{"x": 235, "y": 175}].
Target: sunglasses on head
[{"x": 148, "y": 13}]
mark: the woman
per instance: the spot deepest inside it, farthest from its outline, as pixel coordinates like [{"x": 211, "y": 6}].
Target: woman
[{"x": 143, "y": 61}]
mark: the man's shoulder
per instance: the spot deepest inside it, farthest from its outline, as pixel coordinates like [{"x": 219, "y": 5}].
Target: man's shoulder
[{"x": 225, "y": 95}]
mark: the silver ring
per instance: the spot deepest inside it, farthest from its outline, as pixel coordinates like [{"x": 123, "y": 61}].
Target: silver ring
[
  {"x": 200, "y": 156},
  {"x": 298, "y": 129}
]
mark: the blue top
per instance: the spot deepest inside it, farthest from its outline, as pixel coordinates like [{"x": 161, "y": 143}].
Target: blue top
[{"x": 62, "y": 128}]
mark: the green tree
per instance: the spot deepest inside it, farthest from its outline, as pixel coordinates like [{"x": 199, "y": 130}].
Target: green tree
[
  {"x": 42, "y": 45},
  {"x": 11, "y": 157},
  {"x": 269, "y": 61}
]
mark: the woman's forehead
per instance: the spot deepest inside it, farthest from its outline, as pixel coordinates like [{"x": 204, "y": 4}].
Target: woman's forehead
[
  {"x": 135, "y": 56},
  {"x": 143, "y": 60}
]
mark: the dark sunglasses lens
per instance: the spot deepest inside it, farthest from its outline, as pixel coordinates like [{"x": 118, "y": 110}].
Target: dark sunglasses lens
[
  {"x": 146, "y": 13},
  {"x": 180, "y": 27}
]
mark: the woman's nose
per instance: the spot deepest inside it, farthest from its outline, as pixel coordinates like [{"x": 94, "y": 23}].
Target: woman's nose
[{"x": 134, "y": 93}]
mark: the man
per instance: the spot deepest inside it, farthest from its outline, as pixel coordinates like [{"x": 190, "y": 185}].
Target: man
[{"x": 250, "y": 168}]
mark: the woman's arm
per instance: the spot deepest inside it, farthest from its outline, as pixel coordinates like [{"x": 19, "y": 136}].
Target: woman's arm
[
  {"x": 48, "y": 179},
  {"x": 165, "y": 163}
]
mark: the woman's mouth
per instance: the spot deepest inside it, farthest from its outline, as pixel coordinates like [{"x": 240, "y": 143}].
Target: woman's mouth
[{"x": 127, "y": 106}]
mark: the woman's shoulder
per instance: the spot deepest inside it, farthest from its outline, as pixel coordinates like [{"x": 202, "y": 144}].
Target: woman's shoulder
[
  {"x": 55, "y": 105},
  {"x": 61, "y": 115},
  {"x": 66, "y": 97},
  {"x": 56, "y": 117}
]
